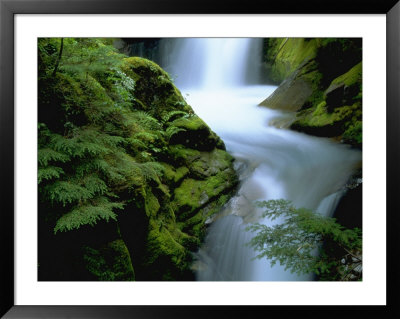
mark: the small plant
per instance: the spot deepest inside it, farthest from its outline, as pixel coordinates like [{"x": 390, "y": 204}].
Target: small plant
[{"x": 306, "y": 242}]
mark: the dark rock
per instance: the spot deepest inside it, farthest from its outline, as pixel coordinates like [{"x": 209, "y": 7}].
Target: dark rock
[{"x": 349, "y": 210}]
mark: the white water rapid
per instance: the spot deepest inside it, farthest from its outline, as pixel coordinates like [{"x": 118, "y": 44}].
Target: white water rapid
[{"x": 215, "y": 75}]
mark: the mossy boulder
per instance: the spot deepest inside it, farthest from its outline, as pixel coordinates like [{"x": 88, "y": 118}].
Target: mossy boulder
[
  {"x": 197, "y": 179},
  {"x": 211, "y": 163},
  {"x": 322, "y": 82},
  {"x": 283, "y": 56},
  {"x": 294, "y": 91},
  {"x": 118, "y": 148},
  {"x": 111, "y": 262},
  {"x": 194, "y": 133},
  {"x": 154, "y": 90},
  {"x": 339, "y": 114},
  {"x": 321, "y": 122},
  {"x": 211, "y": 175},
  {"x": 345, "y": 88}
]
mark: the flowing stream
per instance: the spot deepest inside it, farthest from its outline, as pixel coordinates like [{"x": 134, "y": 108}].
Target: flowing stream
[{"x": 219, "y": 79}]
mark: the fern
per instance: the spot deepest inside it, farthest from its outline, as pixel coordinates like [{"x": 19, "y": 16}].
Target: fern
[
  {"x": 48, "y": 173},
  {"x": 46, "y": 155},
  {"x": 95, "y": 148},
  {"x": 66, "y": 192},
  {"x": 146, "y": 137},
  {"x": 146, "y": 121},
  {"x": 94, "y": 185},
  {"x": 173, "y": 115},
  {"x": 135, "y": 143},
  {"x": 88, "y": 214},
  {"x": 172, "y": 130},
  {"x": 86, "y": 142},
  {"x": 152, "y": 170},
  {"x": 78, "y": 146}
]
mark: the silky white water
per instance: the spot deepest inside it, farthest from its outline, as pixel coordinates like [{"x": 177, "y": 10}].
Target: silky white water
[{"x": 272, "y": 162}]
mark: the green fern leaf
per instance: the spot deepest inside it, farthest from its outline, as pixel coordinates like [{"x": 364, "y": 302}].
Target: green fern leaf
[
  {"x": 171, "y": 116},
  {"x": 49, "y": 173},
  {"x": 88, "y": 214},
  {"x": 46, "y": 155}
]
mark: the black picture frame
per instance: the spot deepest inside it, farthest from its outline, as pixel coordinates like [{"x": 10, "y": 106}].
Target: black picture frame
[{"x": 8, "y": 10}]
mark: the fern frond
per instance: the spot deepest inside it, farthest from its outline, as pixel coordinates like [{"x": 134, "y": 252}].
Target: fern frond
[
  {"x": 88, "y": 214},
  {"x": 146, "y": 137},
  {"x": 173, "y": 115},
  {"x": 94, "y": 185},
  {"x": 46, "y": 155},
  {"x": 147, "y": 121},
  {"x": 49, "y": 173},
  {"x": 152, "y": 170},
  {"x": 172, "y": 130},
  {"x": 135, "y": 143},
  {"x": 81, "y": 145},
  {"x": 66, "y": 192}
]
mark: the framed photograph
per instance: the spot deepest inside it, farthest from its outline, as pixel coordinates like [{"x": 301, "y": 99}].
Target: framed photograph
[{"x": 192, "y": 159}]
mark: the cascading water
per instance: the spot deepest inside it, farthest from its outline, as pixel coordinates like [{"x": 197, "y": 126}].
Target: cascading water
[{"x": 272, "y": 163}]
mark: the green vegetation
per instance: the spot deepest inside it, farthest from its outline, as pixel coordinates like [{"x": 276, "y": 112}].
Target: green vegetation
[
  {"x": 285, "y": 55},
  {"x": 116, "y": 142},
  {"x": 322, "y": 82},
  {"x": 306, "y": 242}
]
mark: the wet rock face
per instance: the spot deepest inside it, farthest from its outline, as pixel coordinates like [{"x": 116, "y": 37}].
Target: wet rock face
[
  {"x": 290, "y": 95},
  {"x": 186, "y": 177},
  {"x": 349, "y": 211},
  {"x": 322, "y": 83},
  {"x": 198, "y": 180}
]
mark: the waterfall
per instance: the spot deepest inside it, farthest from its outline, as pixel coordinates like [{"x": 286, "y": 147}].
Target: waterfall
[{"x": 219, "y": 79}]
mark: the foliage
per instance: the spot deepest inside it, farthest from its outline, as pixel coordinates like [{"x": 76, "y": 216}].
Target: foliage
[
  {"x": 306, "y": 242},
  {"x": 107, "y": 171},
  {"x": 92, "y": 146},
  {"x": 173, "y": 115}
]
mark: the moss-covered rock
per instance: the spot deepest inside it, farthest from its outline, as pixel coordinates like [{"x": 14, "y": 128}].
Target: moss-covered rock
[
  {"x": 340, "y": 112},
  {"x": 322, "y": 82},
  {"x": 110, "y": 262},
  {"x": 196, "y": 181},
  {"x": 211, "y": 163},
  {"x": 154, "y": 88},
  {"x": 320, "y": 122},
  {"x": 284, "y": 55},
  {"x": 294, "y": 91},
  {"x": 192, "y": 132},
  {"x": 345, "y": 88},
  {"x": 146, "y": 172}
]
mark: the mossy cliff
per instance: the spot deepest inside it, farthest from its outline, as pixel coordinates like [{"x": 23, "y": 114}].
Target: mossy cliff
[
  {"x": 320, "y": 80},
  {"x": 128, "y": 173}
]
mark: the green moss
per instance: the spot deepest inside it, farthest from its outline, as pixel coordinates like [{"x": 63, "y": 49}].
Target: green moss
[
  {"x": 211, "y": 163},
  {"x": 344, "y": 122},
  {"x": 175, "y": 175},
  {"x": 111, "y": 262},
  {"x": 196, "y": 224},
  {"x": 182, "y": 155},
  {"x": 320, "y": 117},
  {"x": 193, "y": 194},
  {"x": 353, "y": 134},
  {"x": 351, "y": 77},
  {"x": 291, "y": 53},
  {"x": 166, "y": 258},
  {"x": 151, "y": 204},
  {"x": 320, "y": 109},
  {"x": 135, "y": 103},
  {"x": 192, "y": 123},
  {"x": 161, "y": 242},
  {"x": 139, "y": 65}
]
